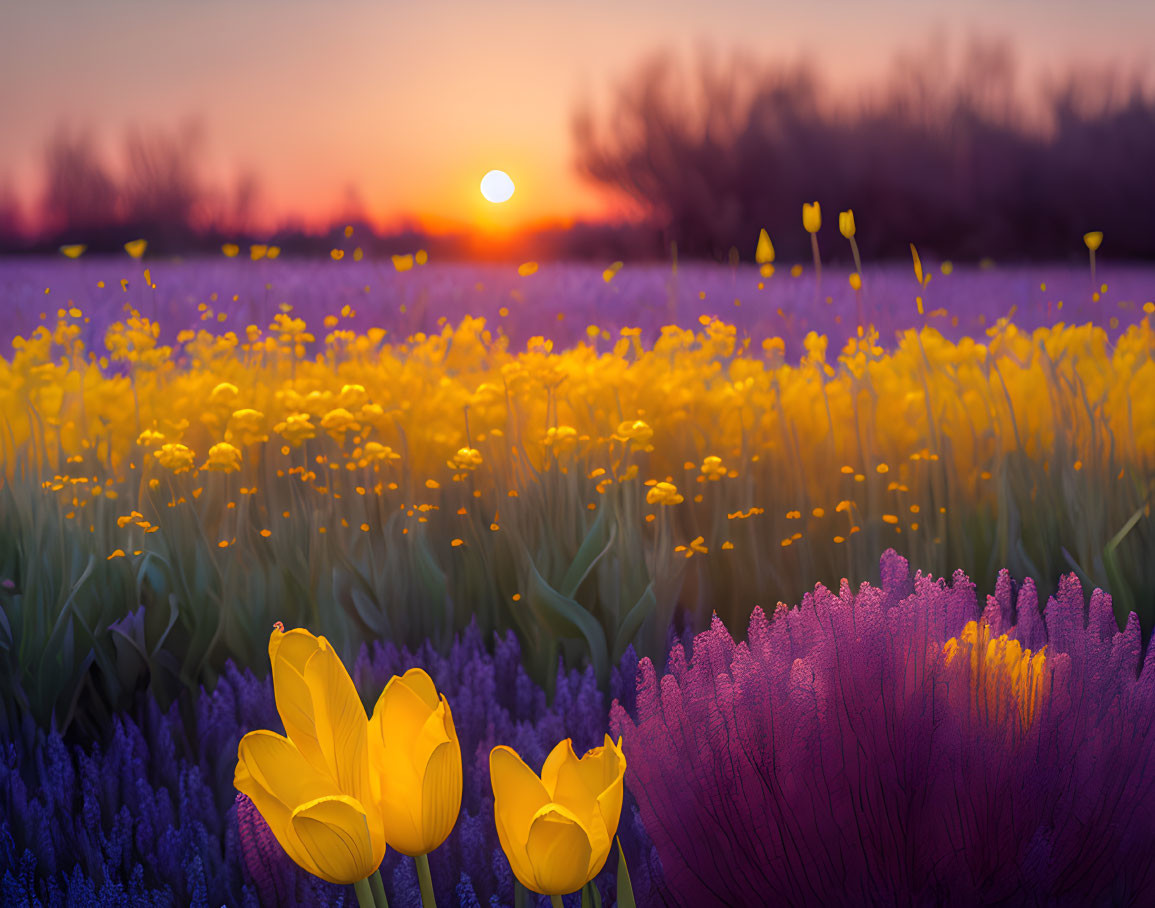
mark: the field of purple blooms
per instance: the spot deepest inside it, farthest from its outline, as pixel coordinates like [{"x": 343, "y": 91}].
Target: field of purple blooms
[
  {"x": 151, "y": 817},
  {"x": 560, "y": 301}
]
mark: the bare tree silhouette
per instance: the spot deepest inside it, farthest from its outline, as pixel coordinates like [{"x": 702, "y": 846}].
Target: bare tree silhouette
[
  {"x": 162, "y": 190},
  {"x": 944, "y": 153},
  {"x": 80, "y": 194}
]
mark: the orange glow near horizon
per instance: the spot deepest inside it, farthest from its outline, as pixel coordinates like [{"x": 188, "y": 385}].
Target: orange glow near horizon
[{"x": 411, "y": 104}]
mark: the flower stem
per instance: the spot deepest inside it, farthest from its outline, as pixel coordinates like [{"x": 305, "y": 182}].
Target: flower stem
[
  {"x": 378, "y": 889},
  {"x": 364, "y": 896},
  {"x": 556, "y": 901},
  {"x": 426, "y": 881}
]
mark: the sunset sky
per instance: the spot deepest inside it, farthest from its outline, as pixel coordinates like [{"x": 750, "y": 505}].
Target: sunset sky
[{"x": 413, "y": 102}]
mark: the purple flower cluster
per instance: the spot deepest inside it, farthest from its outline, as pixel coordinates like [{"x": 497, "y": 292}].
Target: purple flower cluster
[
  {"x": 150, "y": 816},
  {"x": 825, "y": 760}
]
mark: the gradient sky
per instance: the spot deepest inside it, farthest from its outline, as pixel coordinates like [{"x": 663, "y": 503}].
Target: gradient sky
[{"x": 413, "y": 102}]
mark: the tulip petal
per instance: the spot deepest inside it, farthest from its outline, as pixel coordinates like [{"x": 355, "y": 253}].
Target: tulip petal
[
  {"x": 442, "y": 782},
  {"x": 581, "y": 785},
  {"x": 342, "y": 728},
  {"x": 517, "y": 796},
  {"x": 335, "y": 832},
  {"x": 403, "y": 710},
  {"x": 559, "y": 851},
  {"x": 289, "y": 652},
  {"x": 277, "y": 778},
  {"x": 418, "y": 681}
]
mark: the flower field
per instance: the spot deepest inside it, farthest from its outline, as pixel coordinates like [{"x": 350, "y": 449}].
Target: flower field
[{"x": 506, "y": 500}]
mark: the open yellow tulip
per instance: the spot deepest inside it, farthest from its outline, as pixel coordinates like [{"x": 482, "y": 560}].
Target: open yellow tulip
[
  {"x": 313, "y": 787},
  {"x": 416, "y": 763},
  {"x": 556, "y": 830}
]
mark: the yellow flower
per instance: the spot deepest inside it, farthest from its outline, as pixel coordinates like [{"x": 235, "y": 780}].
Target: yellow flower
[
  {"x": 175, "y": 457},
  {"x": 636, "y": 432},
  {"x": 764, "y": 254},
  {"x": 664, "y": 493},
  {"x": 465, "y": 459},
  {"x": 556, "y": 830},
  {"x": 230, "y": 250},
  {"x": 1004, "y": 678},
  {"x": 223, "y": 458},
  {"x": 917, "y": 264},
  {"x": 855, "y": 280},
  {"x": 73, "y": 251},
  {"x": 337, "y": 422},
  {"x": 314, "y": 787},
  {"x": 561, "y": 438},
  {"x": 247, "y": 427},
  {"x": 296, "y": 428},
  {"x": 1094, "y": 239},
  {"x": 416, "y": 763},
  {"x": 712, "y": 468},
  {"x": 375, "y": 452},
  {"x": 811, "y": 216},
  {"x": 846, "y": 223},
  {"x": 150, "y": 437},
  {"x": 135, "y": 248}
]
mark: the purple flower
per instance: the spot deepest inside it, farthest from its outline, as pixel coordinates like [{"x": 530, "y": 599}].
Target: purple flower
[{"x": 834, "y": 755}]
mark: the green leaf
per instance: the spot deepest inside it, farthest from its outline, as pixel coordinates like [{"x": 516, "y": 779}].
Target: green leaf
[
  {"x": 566, "y": 618},
  {"x": 625, "y": 887},
  {"x": 593, "y": 548},
  {"x": 633, "y": 619},
  {"x": 1121, "y": 594}
]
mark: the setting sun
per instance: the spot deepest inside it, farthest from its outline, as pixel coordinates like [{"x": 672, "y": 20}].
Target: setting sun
[{"x": 496, "y": 186}]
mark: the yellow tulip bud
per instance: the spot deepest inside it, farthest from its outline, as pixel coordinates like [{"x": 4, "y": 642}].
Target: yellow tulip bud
[
  {"x": 313, "y": 787},
  {"x": 855, "y": 281},
  {"x": 135, "y": 248},
  {"x": 73, "y": 251},
  {"x": 416, "y": 763},
  {"x": 765, "y": 251},
  {"x": 1094, "y": 239},
  {"x": 846, "y": 223},
  {"x": 811, "y": 216},
  {"x": 917, "y": 263},
  {"x": 556, "y": 830},
  {"x": 230, "y": 250}
]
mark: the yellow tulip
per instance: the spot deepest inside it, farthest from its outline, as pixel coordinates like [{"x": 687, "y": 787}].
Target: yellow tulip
[
  {"x": 811, "y": 216},
  {"x": 556, "y": 830},
  {"x": 846, "y": 223},
  {"x": 135, "y": 248},
  {"x": 764, "y": 254},
  {"x": 73, "y": 251},
  {"x": 416, "y": 763},
  {"x": 313, "y": 787},
  {"x": 1094, "y": 239}
]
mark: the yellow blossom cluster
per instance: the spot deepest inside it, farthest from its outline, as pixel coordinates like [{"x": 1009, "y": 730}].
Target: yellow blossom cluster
[{"x": 858, "y": 438}]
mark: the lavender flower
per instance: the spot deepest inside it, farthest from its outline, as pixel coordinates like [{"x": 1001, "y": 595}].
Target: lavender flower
[{"x": 149, "y": 816}]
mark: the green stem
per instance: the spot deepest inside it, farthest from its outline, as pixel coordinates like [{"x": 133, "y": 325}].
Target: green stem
[
  {"x": 426, "y": 881},
  {"x": 556, "y": 901},
  {"x": 364, "y": 896},
  {"x": 378, "y": 888}
]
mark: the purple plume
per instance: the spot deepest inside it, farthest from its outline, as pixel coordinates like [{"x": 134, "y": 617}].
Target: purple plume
[{"x": 836, "y": 756}]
